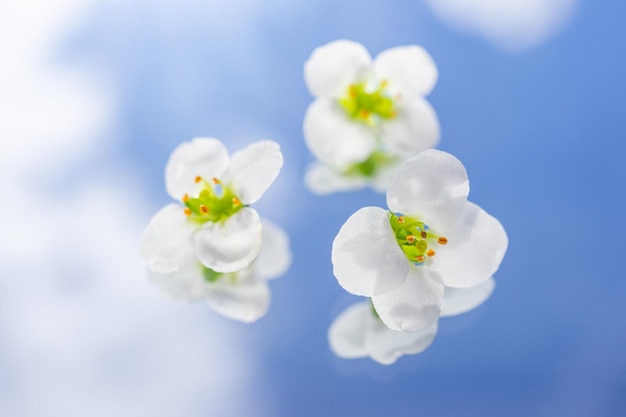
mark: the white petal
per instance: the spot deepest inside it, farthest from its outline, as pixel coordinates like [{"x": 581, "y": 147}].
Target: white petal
[
  {"x": 323, "y": 179},
  {"x": 409, "y": 70},
  {"x": 333, "y": 137},
  {"x": 167, "y": 241},
  {"x": 205, "y": 157},
  {"x": 386, "y": 346},
  {"x": 186, "y": 284},
  {"x": 253, "y": 169},
  {"x": 367, "y": 259},
  {"x": 474, "y": 251},
  {"x": 431, "y": 186},
  {"x": 413, "y": 307},
  {"x": 331, "y": 68},
  {"x": 382, "y": 178},
  {"x": 414, "y": 128},
  {"x": 461, "y": 300},
  {"x": 346, "y": 335},
  {"x": 231, "y": 245},
  {"x": 245, "y": 300},
  {"x": 274, "y": 257}
]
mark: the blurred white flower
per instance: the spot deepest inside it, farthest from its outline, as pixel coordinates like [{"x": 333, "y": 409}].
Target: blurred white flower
[
  {"x": 358, "y": 331},
  {"x": 368, "y": 115},
  {"x": 243, "y": 295},
  {"x": 216, "y": 224},
  {"x": 401, "y": 257}
]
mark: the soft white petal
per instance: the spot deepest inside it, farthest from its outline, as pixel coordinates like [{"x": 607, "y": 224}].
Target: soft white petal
[
  {"x": 253, "y": 169},
  {"x": 409, "y": 70},
  {"x": 331, "y": 68},
  {"x": 186, "y": 284},
  {"x": 461, "y": 300},
  {"x": 346, "y": 335},
  {"x": 245, "y": 300},
  {"x": 231, "y": 245},
  {"x": 474, "y": 251},
  {"x": 413, "y": 307},
  {"x": 333, "y": 137},
  {"x": 414, "y": 128},
  {"x": 382, "y": 179},
  {"x": 205, "y": 157},
  {"x": 386, "y": 346},
  {"x": 274, "y": 257},
  {"x": 432, "y": 186},
  {"x": 367, "y": 259},
  {"x": 167, "y": 241},
  {"x": 323, "y": 179}
]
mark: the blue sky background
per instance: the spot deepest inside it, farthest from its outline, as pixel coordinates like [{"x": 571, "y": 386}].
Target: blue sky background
[{"x": 540, "y": 132}]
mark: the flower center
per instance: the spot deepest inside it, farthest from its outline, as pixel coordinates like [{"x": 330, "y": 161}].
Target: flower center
[
  {"x": 215, "y": 202},
  {"x": 368, "y": 103},
  {"x": 414, "y": 237},
  {"x": 370, "y": 166},
  {"x": 212, "y": 276}
]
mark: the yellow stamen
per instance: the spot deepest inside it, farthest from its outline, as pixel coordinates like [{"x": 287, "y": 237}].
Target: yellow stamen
[
  {"x": 442, "y": 240},
  {"x": 216, "y": 181},
  {"x": 187, "y": 211},
  {"x": 364, "y": 114},
  {"x": 430, "y": 253},
  {"x": 204, "y": 209},
  {"x": 198, "y": 179},
  {"x": 401, "y": 219},
  {"x": 419, "y": 258},
  {"x": 236, "y": 201},
  {"x": 410, "y": 239},
  {"x": 185, "y": 198}
]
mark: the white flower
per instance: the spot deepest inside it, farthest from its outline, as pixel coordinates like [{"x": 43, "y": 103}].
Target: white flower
[
  {"x": 243, "y": 295},
  {"x": 431, "y": 237},
  {"x": 367, "y": 114},
  {"x": 358, "y": 332},
  {"x": 214, "y": 223}
]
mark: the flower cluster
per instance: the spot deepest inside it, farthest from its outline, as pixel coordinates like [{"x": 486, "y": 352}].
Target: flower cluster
[
  {"x": 430, "y": 254},
  {"x": 213, "y": 245},
  {"x": 429, "y": 240},
  {"x": 368, "y": 115}
]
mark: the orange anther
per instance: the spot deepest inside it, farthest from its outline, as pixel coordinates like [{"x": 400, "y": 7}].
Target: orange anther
[
  {"x": 185, "y": 198},
  {"x": 419, "y": 258},
  {"x": 236, "y": 201},
  {"x": 198, "y": 179},
  {"x": 430, "y": 253},
  {"x": 410, "y": 239},
  {"x": 364, "y": 114},
  {"x": 216, "y": 180},
  {"x": 400, "y": 219},
  {"x": 187, "y": 211},
  {"x": 203, "y": 209},
  {"x": 442, "y": 240}
]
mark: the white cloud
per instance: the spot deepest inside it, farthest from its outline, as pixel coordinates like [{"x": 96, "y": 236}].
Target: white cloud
[{"x": 510, "y": 24}]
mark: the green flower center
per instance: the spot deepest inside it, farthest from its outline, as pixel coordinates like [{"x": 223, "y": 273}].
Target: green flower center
[
  {"x": 370, "y": 166},
  {"x": 414, "y": 238},
  {"x": 368, "y": 104},
  {"x": 212, "y": 276},
  {"x": 215, "y": 203}
]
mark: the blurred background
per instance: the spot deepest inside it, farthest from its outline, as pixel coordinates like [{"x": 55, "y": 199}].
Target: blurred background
[{"x": 95, "y": 94}]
